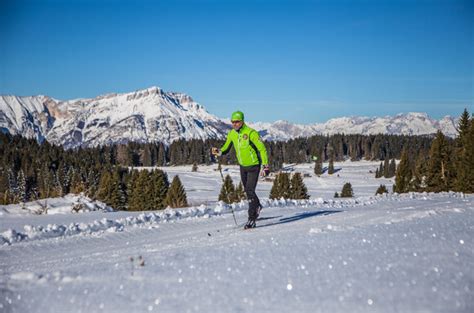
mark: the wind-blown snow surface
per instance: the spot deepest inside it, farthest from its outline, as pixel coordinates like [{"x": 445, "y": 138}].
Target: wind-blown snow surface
[
  {"x": 410, "y": 253},
  {"x": 393, "y": 253}
]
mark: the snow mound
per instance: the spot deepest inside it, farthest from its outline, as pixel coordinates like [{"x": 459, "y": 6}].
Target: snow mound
[{"x": 71, "y": 203}]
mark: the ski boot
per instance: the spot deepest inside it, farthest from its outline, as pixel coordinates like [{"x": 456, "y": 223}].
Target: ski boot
[{"x": 250, "y": 224}]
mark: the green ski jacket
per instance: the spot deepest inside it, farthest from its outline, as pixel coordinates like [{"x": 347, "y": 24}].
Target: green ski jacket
[{"x": 248, "y": 147}]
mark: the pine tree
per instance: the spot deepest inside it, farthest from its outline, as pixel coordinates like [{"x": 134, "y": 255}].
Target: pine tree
[
  {"x": 318, "y": 167},
  {"x": 13, "y": 186},
  {"x": 159, "y": 189},
  {"x": 31, "y": 179},
  {"x": 5, "y": 198},
  {"x": 77, "y": 185},
  {"x": 381, "y": 170},
  {"x": 119, "y": 192},
  {"x": 110, "y": 190},
  {"x": 161, "y": 158},
  {"x": 331, "y": 164},
  {"x": 465, "y": 165},
  {"x": 285, "y": 185},
  {"x": 418, "y": 183},
  {"x": 133, "y": 194},
  {"x": 46, "y": 185},
  {"x": 240, "y": 193},
  {"x": 281, "y": 187},
  {"x": 122, "y": 155},
  {"x": 176, "y": 196},
  {"x": 92, "y": 184},
  {"x": 61, "y": 179},
  {"x": 381, "y": 190},
  {"x": 67, "y": 180},
  {"x": 347, "y": 191},
  {"x": 298, "y": 189},
  {"x": 386, "y": 165},
  {"x": 145, "y": 156},
  {"x": 57, "y": 190},
  {"x": 377, "y": 175},
  {"x": 145, "y": 185},
  {"x": 22, "y": 196},
  {"x": 440, "y": 172},
  {"x": 227, "y": 193},
  {"x": 392, "y": 169},
  {"x": 275, "y": 192},
  {"x": 139, "y": 198},
  {"x": 104, "y": 187},
  {"x": 403, "y": 175},
  {"x": 3, "y": 188},
  {"x": 336, "y": 195},
  {"x": 464, "y": 154},
  {"x": 463, "y": 128}
]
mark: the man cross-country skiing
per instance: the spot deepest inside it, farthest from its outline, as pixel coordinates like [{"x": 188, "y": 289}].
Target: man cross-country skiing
[{"x": 251, "y": 154}]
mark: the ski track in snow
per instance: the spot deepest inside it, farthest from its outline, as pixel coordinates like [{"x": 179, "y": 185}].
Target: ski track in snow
[{"x": 394, "y": 253}]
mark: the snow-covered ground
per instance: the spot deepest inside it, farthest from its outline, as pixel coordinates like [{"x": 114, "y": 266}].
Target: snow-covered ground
[
  {"x": 393, "y": 253},
  {"x": 70, "y": 203},
  {"x": 203, "y": 186}
]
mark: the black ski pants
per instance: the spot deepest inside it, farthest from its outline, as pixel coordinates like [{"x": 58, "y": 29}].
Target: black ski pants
[{"x": 249, "y": 176}]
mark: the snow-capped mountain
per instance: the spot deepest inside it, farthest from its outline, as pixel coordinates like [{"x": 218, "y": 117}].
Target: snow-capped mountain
[
  {"x": 27, "y": 116},
  {"x": 147, "y": 115},
  {"x": 401, "y": 124},
  {"x": 152, "y": 114}
]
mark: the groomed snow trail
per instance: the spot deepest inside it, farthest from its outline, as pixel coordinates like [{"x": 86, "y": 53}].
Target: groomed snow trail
[{"x": 395, "y": 254}]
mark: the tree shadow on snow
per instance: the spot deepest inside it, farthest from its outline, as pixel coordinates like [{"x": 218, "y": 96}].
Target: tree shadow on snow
[
  {"x": 300, "y": 216},
  {"x": 325, "y": 169}
]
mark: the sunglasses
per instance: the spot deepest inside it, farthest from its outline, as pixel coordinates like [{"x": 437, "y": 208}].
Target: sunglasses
[{"x": 236, "y": 122}]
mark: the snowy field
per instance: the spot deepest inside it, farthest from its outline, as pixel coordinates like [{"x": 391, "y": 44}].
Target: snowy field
[
  {"x": 395, "y": 253},
  {"x": 204, "y": 185}
]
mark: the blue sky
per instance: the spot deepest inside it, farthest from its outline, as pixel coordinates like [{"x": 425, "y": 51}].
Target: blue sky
[{"x": 302, "y": 61}]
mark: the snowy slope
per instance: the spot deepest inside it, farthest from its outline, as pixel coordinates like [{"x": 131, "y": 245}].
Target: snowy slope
[
  {"x": 393, "y": 253},
  {"x": 26, "y": 116},
  {"x": 70, "y": 203},
  {"x": 409, "y": 253},
  {"x": 152, "y": 114}
]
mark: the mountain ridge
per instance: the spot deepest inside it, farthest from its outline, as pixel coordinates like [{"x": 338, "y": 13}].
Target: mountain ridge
[{"x": 151, "y": 115}]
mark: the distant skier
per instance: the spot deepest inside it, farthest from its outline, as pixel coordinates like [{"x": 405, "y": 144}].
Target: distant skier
[{"x": 251, "y": 154}]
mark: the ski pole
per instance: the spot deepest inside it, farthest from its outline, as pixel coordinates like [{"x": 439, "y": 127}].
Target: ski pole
[{"x": 226, "y": 191}]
